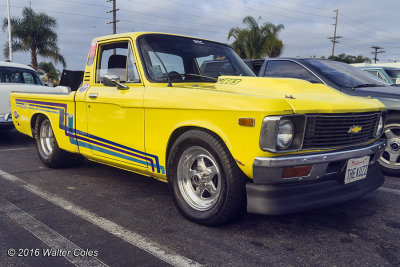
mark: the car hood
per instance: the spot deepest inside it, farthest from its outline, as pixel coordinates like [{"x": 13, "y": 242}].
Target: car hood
[{"x": 303, "y": 96}]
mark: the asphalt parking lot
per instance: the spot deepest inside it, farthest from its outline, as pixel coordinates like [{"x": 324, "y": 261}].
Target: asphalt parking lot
[{"x": 94, "y": 215}]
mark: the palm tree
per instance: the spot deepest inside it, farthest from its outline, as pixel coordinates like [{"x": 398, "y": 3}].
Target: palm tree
[
  {"x": 256, "y": 41},
  {"x": 34, "y": 33}
]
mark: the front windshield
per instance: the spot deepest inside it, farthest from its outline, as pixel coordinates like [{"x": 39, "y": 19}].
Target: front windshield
[
  {"x": 344, "y": 74},
  {"x": 393, "y": 74},
  {"x": 186, "y": 59},
  {"x": 18, "y": 75}
]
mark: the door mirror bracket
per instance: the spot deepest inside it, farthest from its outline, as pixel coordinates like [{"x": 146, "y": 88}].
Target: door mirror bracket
[{"x": 114, "y": 80}]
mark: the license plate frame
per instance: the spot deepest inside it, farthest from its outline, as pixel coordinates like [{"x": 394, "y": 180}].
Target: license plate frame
[{"x": 356, "y": 169}]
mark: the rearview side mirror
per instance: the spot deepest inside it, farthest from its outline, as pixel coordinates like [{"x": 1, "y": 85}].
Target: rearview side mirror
[{"x": 113, "y": 80}]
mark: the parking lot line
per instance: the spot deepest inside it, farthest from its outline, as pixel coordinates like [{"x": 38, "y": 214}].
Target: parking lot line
[
  {"x": 127, "y": 235},
  {"x": 15, "y": 149},
  {"x": 390, "y": 190},
  {"x": 54, "y": 240}
]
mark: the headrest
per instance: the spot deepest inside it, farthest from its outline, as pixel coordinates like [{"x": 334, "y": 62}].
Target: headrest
[{"x": 117, "y": 62}]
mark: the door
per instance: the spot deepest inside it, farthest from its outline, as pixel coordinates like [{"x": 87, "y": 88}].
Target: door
[{"x": 115, "y": 117}]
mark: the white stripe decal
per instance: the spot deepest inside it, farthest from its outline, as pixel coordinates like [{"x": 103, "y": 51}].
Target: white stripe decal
[
  {"x": 48, "y": 236},
  {"x": 107, "y": 225},
  {"x": 389, "y": 190}
]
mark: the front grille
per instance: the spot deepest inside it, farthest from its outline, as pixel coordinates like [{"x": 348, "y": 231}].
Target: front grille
[{"x": 326, "y": 131}]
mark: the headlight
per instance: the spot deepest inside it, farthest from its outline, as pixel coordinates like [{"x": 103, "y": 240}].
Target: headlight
[
  {"x": 285, "y": 134},
  {"x": 282, "y": 133},
  {"x": 379, "y": 129}
]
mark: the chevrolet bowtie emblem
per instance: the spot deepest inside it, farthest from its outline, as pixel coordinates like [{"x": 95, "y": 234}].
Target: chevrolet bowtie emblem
[{"x": 355, "y": 129}]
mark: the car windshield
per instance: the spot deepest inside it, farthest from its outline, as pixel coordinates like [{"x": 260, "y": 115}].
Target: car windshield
[
  {"x": 185, "y": 59},
  {"x": 18, "y": 75},
  {"x": 345, "y": 75},
  {"x": 393, "y": 74}
]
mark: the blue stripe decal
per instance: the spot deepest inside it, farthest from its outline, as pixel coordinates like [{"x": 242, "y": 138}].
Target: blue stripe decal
[{"x": 77, "y": 137}]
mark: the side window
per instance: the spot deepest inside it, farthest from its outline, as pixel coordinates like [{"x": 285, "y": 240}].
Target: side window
[
  {"x": 28, "y": 78},
  {"x": 373, "y": 72},
  {"x": 117, "y": 59},
  {"x": 288, "y": 69}
]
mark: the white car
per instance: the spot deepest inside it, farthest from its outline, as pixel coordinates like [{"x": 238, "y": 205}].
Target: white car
[{"x": 19, "y": 78}]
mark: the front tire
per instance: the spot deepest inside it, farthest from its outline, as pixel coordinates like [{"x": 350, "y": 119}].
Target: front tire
[
  {"x": 206, "y": 184},
  {"x": 48, "y": 150}
]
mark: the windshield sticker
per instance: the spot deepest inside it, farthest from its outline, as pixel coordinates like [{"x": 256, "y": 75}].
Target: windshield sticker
[
  {"x": 198, "y": 42},
  {"x": 229, "y": 81}
]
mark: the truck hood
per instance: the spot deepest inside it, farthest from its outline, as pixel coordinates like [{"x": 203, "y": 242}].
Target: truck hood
[
  {"x": 7, "y": 88},
  {"x": 303, "y": 96}
]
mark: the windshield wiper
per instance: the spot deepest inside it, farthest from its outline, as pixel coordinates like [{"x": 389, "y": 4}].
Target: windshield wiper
[
  {"x": 367, "y": 85},
  {"x": 198, "y": 75}
]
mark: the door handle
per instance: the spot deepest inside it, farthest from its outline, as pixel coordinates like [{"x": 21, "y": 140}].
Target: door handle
[{"x": 93, "y": 95}]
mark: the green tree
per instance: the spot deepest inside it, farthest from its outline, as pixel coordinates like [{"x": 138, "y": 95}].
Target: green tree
[
  {"x": 350, "y": 59},
  {"x": 50, "y": 71},
  {"x": 256, "y": 41},
  {"x": 34, "y": 33}
]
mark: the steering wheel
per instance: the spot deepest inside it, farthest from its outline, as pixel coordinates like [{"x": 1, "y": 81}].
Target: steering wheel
[{"x": 175, "y": 76}]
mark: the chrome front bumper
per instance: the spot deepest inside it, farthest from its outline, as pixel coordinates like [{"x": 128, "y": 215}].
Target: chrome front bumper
[
  {"x": 271, "y": 194},
  {"x": 269, "y": 170}
]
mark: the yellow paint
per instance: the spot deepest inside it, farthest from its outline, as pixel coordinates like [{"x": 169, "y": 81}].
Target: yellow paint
[{"x": 146, "y": 115}]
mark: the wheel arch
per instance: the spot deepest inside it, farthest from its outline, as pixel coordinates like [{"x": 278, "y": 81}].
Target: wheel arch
[
  {"x": 33, "y": 121},
  {"x": 182, "y": 129}
]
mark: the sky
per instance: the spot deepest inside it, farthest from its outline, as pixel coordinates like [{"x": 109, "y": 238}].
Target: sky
[{"x": 308, "y": 24}]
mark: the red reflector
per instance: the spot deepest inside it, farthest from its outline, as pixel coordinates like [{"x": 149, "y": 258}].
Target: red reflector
[{"x": 296, "y": 171}]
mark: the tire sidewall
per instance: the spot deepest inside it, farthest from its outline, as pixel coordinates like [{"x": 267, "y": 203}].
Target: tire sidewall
[
  {"x": 183, "y": 143},
  {"x": 46, "y": 159},
  {"x": 392, "y": 119}
]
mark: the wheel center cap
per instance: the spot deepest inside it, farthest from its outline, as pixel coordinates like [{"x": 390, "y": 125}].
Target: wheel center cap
[{"x": 395, "y": 145}]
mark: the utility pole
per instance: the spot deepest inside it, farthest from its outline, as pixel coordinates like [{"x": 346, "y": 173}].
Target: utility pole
[
  {"x": 333, "y": 39},
  {"x": 114, "y": 11},
  {"x": 9, "y": 32},
  {"x": 376, "y": 52}
]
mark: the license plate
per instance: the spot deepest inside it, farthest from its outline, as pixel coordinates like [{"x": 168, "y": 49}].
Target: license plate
[{"x": 356, "y": 169}]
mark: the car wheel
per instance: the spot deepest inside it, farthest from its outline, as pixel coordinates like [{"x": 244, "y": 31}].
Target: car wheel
[
  {"x": 206, "y": 184},
  {"x": 390, "y": 160},
  {"x": 48, "y": 150}
]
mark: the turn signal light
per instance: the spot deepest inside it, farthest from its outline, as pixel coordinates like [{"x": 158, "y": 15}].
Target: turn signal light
[
  {"x": 247, "y": 122},
  {"x": 296, "y": 171}
]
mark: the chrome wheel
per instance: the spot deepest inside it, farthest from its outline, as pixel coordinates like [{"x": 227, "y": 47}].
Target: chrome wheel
[
  {"x": 46, "y": 138},
  {"x": 199, "y": 178},
  {"x": 391, "y": 156}
]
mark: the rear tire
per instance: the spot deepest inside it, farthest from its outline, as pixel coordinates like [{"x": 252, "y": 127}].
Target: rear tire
[
  {"x": 205, "y": 182},
  {"x": 48, "y": 150}
]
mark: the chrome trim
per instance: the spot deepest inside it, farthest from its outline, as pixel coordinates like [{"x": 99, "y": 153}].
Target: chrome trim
[
  {"x": 297, "y": 160},
  {"x": 93, "y": 95},
  {"x": 269, "y": 170}
]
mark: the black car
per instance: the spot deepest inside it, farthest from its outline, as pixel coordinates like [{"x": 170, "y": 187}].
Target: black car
[{"x": 353, "y": 81}]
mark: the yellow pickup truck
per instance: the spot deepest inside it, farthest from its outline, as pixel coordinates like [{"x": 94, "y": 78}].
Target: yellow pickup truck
[{"x": 189, "y": 112}]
